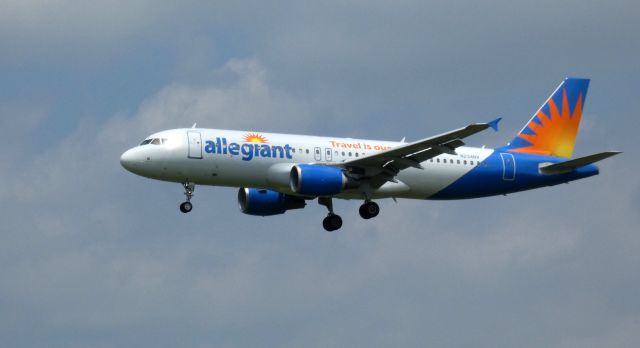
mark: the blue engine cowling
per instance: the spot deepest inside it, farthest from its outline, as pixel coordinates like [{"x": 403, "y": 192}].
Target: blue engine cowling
[
  {"x": 317, "y": 180},
  {"x": 263, "y": 202}
]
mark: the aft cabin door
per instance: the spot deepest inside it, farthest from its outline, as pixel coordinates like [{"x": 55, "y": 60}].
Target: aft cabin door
[
  {"x": 195, "y": 144},
  {"x": 508, "y": 166}
]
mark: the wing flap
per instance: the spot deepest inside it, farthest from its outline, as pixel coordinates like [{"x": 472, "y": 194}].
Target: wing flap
[
  {"x": 384, "y": 166},
  {"x": 424, "y": 149}
]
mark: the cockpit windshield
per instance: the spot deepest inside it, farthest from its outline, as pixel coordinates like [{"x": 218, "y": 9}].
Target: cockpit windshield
[{"x": 154, "y": 141}]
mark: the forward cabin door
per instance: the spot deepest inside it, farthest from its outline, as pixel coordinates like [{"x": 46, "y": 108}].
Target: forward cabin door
[
  {"x": 317, "y": 154},
  {"x": 195, "y": 144},
  {"x": 508, "y": 166}
]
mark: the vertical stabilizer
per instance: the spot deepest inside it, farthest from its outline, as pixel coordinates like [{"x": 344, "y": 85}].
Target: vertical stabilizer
[{"x": 553, "y": 128}]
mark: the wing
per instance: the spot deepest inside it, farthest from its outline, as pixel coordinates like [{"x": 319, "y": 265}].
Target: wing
[{"x": 384, "y": 166}]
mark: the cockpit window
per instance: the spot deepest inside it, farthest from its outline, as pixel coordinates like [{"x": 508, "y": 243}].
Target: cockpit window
[{"x": 154, "y": 141}]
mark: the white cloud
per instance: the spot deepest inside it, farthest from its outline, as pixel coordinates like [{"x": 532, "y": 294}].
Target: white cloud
[{"x": 247, "y": 102}]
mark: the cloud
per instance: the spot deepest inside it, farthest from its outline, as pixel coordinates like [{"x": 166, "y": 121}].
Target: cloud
[{"x": 95, "y": 256}]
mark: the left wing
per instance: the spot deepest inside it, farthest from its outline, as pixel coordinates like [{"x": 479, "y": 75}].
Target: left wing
[{"x": 384, "y": 166}]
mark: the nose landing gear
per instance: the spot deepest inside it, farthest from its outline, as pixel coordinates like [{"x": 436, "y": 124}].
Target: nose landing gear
[
  {"x": 189, "y": 187},
  {"x": 186, "y": 207}
]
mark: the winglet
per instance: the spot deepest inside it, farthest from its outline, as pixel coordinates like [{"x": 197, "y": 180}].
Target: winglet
[{"x": 494, "y": 124}]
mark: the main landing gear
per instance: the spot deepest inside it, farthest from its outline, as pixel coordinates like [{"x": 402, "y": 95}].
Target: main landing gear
[
  {"x": 186, "y": 207},
  {"x": 369, "y": 209},
  {"x": 333, "y": 221}
]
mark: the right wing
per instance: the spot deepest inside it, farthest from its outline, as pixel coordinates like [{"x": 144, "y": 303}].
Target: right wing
[{"x": 384, "y": 166}]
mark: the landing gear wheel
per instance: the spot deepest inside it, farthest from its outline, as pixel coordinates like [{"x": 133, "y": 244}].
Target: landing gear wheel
[
  {"x": 188, "y": 191},
  {"x": 186, "y": 207},
  {"x": 369, "y": 210},
  {"x": 332, "y": 222}
]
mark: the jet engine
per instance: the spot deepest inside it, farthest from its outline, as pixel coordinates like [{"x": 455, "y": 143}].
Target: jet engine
[
  {"x": 263, "y": 202},
  {"x": 318, "y": 180}
]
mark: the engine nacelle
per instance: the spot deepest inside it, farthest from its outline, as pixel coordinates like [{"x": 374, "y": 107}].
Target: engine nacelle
[
  {"x": 318, "y": 180},
  {"x": 263, "y": 202}
]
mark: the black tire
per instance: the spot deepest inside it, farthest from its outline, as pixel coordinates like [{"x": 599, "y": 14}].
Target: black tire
[
  {"x": 332, "y": 222},
  {"x": 186, "y": 207},
  {"x": 369, "y": 210}
]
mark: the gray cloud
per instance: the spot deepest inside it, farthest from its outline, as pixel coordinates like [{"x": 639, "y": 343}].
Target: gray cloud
[{"x": 93, "y": 256}]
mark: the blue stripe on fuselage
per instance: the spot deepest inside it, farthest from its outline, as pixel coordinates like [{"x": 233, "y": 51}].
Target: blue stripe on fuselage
[{"x": 487, "y": 178}]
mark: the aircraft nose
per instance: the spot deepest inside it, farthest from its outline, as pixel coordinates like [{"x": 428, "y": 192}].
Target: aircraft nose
[{"x": 128, "y": 160}]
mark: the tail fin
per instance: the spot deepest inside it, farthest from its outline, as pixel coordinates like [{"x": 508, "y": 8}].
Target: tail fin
[{"x": 553, "y": 128}]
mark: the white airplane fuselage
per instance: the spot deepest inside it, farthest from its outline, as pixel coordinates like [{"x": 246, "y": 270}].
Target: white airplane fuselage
[{"x": 183, "y": 157}]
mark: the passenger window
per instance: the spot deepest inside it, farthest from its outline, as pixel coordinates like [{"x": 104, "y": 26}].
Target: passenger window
[
  {"x": 342, "y": 153},
  {"x": 438, "y": 160},
  {"x": 307, "y": 150},
  {"x": 293, "y": 150},
  {"x": 357, "y": 154},
  {"x": 465, "y": 162},
  {"x": 349, "y": 154}
]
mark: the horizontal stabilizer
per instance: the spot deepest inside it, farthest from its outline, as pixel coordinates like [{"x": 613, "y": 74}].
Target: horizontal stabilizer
[{"x": 571, "y": 165}]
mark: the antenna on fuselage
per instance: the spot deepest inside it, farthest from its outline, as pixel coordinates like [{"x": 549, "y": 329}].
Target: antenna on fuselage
[
  {"x": 403, "y": 139},
  {"x": 194, "y": 125}
]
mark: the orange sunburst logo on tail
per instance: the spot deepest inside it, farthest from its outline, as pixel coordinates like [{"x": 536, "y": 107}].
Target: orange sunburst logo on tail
[
  {"x": 254, "y": 138},
  {"x": 554, "y": 134}
]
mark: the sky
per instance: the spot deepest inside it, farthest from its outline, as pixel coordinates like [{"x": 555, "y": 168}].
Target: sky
[{"x": 92, "y": 255}]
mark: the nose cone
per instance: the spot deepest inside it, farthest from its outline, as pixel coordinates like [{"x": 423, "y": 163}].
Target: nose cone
[{"x": 129, "y": 160}]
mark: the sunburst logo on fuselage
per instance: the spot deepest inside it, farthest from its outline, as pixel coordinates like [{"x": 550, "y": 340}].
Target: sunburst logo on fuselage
[
  {"x": 553, "y": 134},
  {"x": 255, "y": 138}
]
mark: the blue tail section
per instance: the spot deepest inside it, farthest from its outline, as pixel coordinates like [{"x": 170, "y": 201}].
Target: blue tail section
[{"x": 504, "y": 172}]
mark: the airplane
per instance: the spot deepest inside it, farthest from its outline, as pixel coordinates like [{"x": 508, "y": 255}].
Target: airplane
[{"x": 280, "y": 172}]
